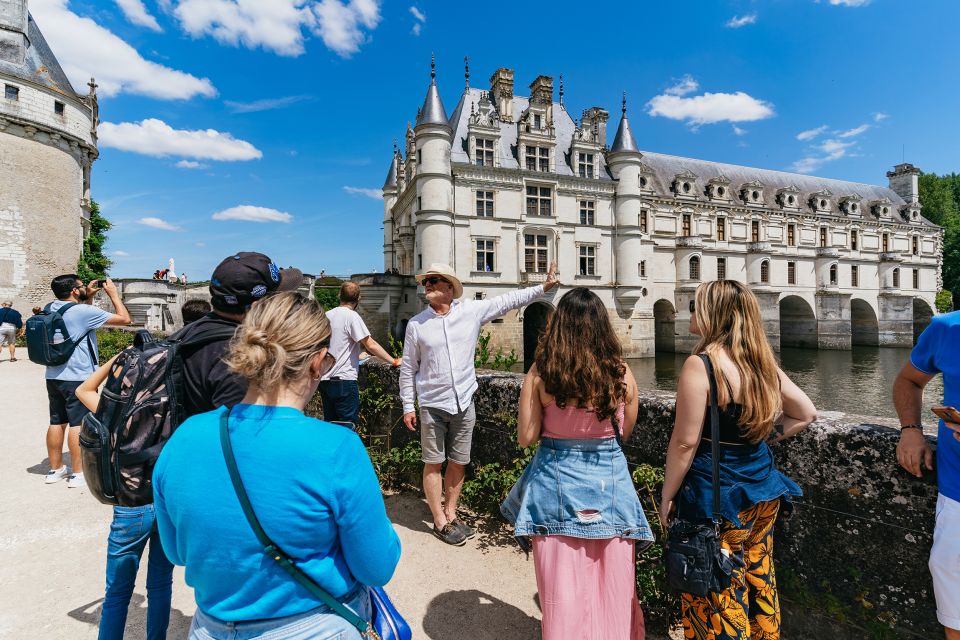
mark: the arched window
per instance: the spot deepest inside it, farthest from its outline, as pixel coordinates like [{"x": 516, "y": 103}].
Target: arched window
[
  {"x": 695, "y": 268},
  {"x": 833, "y": 274},
  {"x": 765, "y": 272},
  {"x": 896, "y": 278}
]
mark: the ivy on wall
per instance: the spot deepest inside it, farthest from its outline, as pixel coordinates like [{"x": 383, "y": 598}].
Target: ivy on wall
[{"x": 93, "y": 263}]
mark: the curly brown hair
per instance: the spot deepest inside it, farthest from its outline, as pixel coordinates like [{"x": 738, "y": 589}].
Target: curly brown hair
[{"x": 579, "y": 357}]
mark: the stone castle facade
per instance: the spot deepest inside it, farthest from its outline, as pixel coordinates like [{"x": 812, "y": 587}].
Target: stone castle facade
[
  {"x": 509, "y": 183},
  {"x": 48, "y": 143}
]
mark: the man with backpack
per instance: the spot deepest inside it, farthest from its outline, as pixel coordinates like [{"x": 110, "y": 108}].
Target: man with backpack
[
  {"x": 11, "y": 324},
  {"x": 74, "y": 322}
]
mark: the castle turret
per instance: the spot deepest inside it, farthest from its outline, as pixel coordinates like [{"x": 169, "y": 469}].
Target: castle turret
[
  {"x": 390, "y": 192},
  {"x": 624, "y": 163},
  {"x": 13, "y": 31},
  {"x": 905, "y": 181},
  {"x": 434, "y": 212}
]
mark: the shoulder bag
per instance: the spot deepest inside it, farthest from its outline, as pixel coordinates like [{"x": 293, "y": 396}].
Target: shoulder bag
[
  {"x": 387, "y": 622},
  {"x": 695, "y": 562}
]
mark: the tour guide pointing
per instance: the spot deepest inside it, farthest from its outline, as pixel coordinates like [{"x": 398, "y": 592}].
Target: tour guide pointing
[{"x": 438, "y": 353}]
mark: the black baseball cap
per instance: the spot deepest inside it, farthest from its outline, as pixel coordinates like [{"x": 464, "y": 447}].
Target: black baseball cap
[{"x": 246, "y": 277}]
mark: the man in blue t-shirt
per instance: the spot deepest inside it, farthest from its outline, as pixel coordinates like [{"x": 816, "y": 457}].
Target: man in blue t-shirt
[
  {"x": 66, "y": 411},
  {"x": 937, "y": 351}
]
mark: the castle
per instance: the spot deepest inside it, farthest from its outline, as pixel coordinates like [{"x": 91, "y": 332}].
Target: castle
[
  {"x": 48, "y": 143},
  {"x": 509, "y": 183}
]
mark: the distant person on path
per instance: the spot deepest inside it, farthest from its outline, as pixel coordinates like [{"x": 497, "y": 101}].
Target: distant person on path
[
  {"x": 82, "y": 320},
  {"x": 237, "y": 283},
  {"x": 311, "y": 485},
  {"x": 194, "y": 309},
  {"x": 130, "y": 531},
  {"x": 438, "y": 371},
  {"x": 183, "y": 278},
  {"x": 937, "y": 352},
  {"x": 758, "y": 405},
  {"x": 338, "y": 387},
  {"x": 11, "y": 325},
  {"x": 579, "y": 401}
]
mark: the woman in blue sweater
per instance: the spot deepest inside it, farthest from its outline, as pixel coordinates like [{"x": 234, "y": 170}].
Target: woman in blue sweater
[{"x": 310, "y": 483}]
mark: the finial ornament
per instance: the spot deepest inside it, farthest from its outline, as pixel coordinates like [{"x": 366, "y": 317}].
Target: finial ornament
[
  {"x": 433, "y": 67},
  {"x": 561, "y": 88},
  {"x": 466, "y": 71},
  {"x": 624, "y": 108}
]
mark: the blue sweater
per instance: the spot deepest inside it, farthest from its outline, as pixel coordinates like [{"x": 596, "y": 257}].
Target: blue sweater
[{"x": 314, "y": 491}]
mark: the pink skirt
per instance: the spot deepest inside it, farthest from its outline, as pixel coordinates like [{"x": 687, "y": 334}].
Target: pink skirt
[{"x": 588, "y": 588}]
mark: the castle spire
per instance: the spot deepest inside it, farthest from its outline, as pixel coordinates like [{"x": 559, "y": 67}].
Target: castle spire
[
  {"x": 391, "y": 181},
  {"x": 561, "y": 88},
  {"x": 624, "y": 141},
  {"x": 466, "y": 71},
  {"x": 432, "y": 111}
]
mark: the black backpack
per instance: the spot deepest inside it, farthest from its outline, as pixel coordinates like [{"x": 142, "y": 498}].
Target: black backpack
[
  {"x": 141, "y": 405},
  {"x": 48, "y": 341}
]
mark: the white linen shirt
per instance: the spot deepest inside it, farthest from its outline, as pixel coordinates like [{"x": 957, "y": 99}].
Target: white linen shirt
[{"x": 438, "y": 351}]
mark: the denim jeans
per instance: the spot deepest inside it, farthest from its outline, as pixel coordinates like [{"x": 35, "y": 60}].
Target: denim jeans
[
  {"x": 316, "y": 624},
  {"x": 341, "y": 400},
  {"x": 132, "y": 528}
]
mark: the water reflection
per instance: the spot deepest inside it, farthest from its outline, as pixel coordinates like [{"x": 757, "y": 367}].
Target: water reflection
[{"x": 856, "y": 381}]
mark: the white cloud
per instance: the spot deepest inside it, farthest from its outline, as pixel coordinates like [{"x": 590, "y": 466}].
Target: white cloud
[
  {"x": 420, "y": 18},
  {"x": 738, "y": 131},
  {"x": 119, "y": 254},
  {"x": 685, "y": 85},
  {"x": 810, "y": 134},
  {"x": 827, "y": 151},
  {"x": 852, "y": 133},
  {"x": 376, "y": 194},
  {"x": 200, "y": 244},
  {"x": 85, "y": 49},
  {"x": 250, "y": 213},
  {"x": 136, "y": 13},
  {"x": 190, "y": 164},
  {"x": 736, "y": 22},
  {"x": 707, "y": 108},
  {"x": 880, "y": 116},
  {"x": 158, "y": 223},
  {"x": 156, "y": 138},
  {"x": 850, "y": 3},
  {"x": 264, "y": 104},
  {"x": 278, "y": 25}
]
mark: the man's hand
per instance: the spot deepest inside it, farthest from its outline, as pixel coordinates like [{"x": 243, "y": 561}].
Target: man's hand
[
  {"x": 912, "y": 450},
  {"x": 552, "y": 278},
  {"x": 955, "y": 427},
  {"x": 410, "y": 420},
  {"x": 110, "y": 288},
  {"x": 92, "y": 288}
]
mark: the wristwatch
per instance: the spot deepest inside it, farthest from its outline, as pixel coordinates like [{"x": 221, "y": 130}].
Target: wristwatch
[{"x": 914, "y": 425}]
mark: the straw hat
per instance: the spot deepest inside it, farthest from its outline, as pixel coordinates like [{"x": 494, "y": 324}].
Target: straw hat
[{"x": 446, "y": 272}]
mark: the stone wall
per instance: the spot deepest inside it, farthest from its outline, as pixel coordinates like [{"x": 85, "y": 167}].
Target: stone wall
[{"x": 857, "y": 543}]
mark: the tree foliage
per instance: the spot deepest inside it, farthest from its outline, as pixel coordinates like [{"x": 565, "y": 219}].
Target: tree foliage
[
  {"x": 93, "y": 263},
  {"x": 940, "y": 197}
]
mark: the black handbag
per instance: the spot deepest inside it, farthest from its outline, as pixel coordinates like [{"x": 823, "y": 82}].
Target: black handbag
[{"x": 695, "y": 562}]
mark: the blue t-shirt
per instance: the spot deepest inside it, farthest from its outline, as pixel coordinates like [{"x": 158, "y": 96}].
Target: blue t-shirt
[
  {"x": 938, "y": 351},
  {"x": 79, "y": 319},
  {"x": 314, "y": 491}
]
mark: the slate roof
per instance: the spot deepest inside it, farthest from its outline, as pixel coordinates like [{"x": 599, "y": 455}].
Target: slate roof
[{"x": 40, "y": 65}]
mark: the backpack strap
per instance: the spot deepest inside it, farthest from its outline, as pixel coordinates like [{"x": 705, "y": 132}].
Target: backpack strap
[
  {"x": 714, "y": 437},
  {"x": 274, "y": 552}
]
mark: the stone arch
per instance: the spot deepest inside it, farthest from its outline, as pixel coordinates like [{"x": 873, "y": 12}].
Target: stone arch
[
  {"x": 922, "y": 315},
  {"x": 798, "y": 323},
  {"x": 535, "y": 317},
  {"x": 864, "y": 325},
  {"x": 664, "y": 326}
]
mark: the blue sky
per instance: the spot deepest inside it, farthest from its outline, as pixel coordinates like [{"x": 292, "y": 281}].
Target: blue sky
[{"x": 233, "y": 125}]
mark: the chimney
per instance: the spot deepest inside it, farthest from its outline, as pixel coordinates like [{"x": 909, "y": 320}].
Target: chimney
[
  {"x": 501, "y": 89},
  {"x": 13, "y": 31},
  {"x": 595, "y": 117},
  {"x": 904, "y": 180},
  {"x": 541, "y": 90}
]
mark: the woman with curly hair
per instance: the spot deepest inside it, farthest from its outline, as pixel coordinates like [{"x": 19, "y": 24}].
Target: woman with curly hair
[
  {"x": 576, "y": 503},
  {"x": 758, "y": 405}
]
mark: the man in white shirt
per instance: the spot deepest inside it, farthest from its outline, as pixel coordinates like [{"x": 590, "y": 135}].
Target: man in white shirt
[
  {"x": 437, "y": 367},
  {"x": 338, "y": 387}
]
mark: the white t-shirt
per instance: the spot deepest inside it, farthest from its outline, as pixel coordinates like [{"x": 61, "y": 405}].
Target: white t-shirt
[{"x": 346, "y": 331}]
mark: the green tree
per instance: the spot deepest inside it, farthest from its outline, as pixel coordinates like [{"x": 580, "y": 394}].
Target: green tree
[
  {"x": 327, "y": 297},
  {"x": 93, "y": 264},
  {"x": 940, "y": 197}
]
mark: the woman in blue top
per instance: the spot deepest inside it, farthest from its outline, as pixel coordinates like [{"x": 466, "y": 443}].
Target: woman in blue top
[
  {"x": 758, "y": 405},
  {"x": 311, "y": 485}
]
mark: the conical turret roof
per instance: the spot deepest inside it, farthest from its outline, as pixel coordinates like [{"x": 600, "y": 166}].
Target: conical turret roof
[
  {"x": 624, "y": 140},
  {"x": 391, "y": 181},
  {"x": 432, "y": 111}
]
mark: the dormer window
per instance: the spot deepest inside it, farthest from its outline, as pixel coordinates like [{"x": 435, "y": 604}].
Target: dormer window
[
  {"x": 684, "y": 183},
  {"x": 788, "y": 197},
  {"x": 850, "y": 205},
  {"x": 752, "y": 192},
  {"x": 719, "y": 188},
  {"x": 820, "y": 200},
  {"x": 585, "y": 165},
  {"x": 880, "y": 208},
  {"x": 910, "y": 212}
]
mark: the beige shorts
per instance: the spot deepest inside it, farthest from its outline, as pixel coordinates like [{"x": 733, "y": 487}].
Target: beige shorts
[
  {"x": 8, "y": 335},
  {"x": 446, "y": 436},
  {"x": 945, "y": 562}
]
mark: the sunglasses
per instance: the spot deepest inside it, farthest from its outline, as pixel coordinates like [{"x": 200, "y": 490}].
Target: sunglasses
[
  {"x": 693, "y": 307},
  {"x": 432, "y": 280}
]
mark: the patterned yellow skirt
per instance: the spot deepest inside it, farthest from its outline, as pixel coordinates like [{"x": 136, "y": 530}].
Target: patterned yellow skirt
[{"x": 749, "y": 609}]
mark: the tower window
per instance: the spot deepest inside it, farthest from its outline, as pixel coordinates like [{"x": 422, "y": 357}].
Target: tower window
[
  {"x": 585, "y": 165},
  {"x": 695, "y": 268},
  {"x": 11, "y": 92},
  {"x": 765, "y": 272},
  {"x": 539, "y": 201},
  {"x": 721, "y": 230},
  {"x": 587, "y": 212},
  {"x": 483, "y": 155},
  {"x": 721, "y": 268},
  {"x": 833, "y": 274},
  {"x": 791, "y": 235},
  {"x": 58, "y": 107},
  {"x": 642, "y": 269},
  {"x": 485, "y": 255},
  {"x": 485, "y": 204},
  {"x": 588, "y": 259},
  {"x": 791, "y": 273}
]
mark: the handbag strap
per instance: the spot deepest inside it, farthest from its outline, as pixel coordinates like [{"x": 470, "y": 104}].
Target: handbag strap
[
  {"x": 714, "y": 436},
  {"x": 276, "y": 553}
]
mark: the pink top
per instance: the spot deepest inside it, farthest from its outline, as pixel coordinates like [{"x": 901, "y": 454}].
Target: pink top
[{"x": 576, "y": 423}]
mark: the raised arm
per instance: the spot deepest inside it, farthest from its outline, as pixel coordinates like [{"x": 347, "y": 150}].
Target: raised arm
[
  {"x": 495, "y": 307},
  {"x": 798, "y": 410},
  {"x": 530, "y": 420}
]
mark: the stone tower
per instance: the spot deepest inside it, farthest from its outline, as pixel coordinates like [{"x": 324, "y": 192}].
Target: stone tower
[
  {"x": 390, "y": 191},
  {"x": 47, "y": 147},
  {"x": 433, "y": 210}
]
